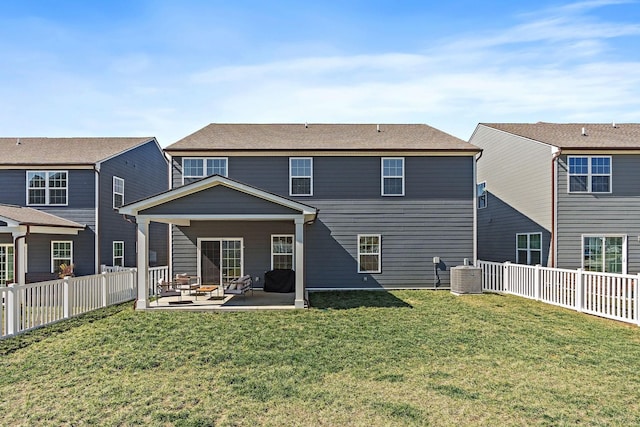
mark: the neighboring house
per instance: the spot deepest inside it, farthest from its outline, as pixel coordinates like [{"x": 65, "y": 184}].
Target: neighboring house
[
  {"x": 562, "y": 195},
  {"x": 59, "y": 200},
  {"x": 346, "y": 206}
]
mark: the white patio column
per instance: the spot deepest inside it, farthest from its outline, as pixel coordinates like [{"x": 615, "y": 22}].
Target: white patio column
[
  {"x": 142, "y": 301},
  {"x": 299, "y": 302},
  {"x": 20, "y": 248}
]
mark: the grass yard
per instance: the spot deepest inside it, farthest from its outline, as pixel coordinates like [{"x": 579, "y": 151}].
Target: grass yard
[{"x": 355, "y": 358}]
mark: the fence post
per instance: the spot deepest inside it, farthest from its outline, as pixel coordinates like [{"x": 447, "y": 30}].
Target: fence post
[
  {"x": 105, "y": 288},
  {"x": 536, "y": 282},
  {"x": 579, "y": 290},
  {"x": 134, "y": 282},
  {"x": 13, "y": 309},
  {"x": 505, "y": 277},
  {"x": 67, "y": 298}
]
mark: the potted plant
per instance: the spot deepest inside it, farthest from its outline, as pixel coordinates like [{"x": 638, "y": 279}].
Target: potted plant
[{"x": 65, "y": 270}]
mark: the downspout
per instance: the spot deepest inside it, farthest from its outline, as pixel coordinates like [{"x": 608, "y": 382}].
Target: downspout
[
  {"x": 16, "y": 253},
  {"x": 96, "y": 169},
  {"x": 475, "y": 208},
  {"x": 552, "y": 248}
]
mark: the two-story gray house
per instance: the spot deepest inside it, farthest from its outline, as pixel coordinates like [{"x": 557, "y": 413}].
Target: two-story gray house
[
  {"x": 345, "y": 206},
  {"x": 59, "y": 201},
  {"x": 561, "y": 195}
]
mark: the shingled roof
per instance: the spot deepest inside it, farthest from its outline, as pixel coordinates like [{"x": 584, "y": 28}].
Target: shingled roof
[
  {"x": 319, "y": 137},
  {"x": 67, "y": 151},
  {"x": 29, "y": 216},
  {"x": 623, "y": 136}
]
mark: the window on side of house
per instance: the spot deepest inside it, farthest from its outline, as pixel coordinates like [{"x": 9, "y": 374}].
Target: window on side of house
[
  {"x": 393, "y": 176},
  {"x": 195, "y": 168},
  {"x": 61, "y": 253},
  {"x": 118, "y": 253},
  {"x": 118, "y": 192},
  {"x": 529, "y": 248},
  {"x": 300, "y": 176},
  {"x": 604, "y": 253},
  {"x": 282, "y": 251},
  {"x": 589, "y": 174},
  {"x": 47, "y": 188},
  {"x": 481, "y": 190},
  {"x": 369, "y": 251}
]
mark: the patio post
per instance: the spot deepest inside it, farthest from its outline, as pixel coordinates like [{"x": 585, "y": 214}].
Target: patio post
[
  {"x": 20, "y": 254},
  {"x": 142, "y": 301},
  {"x": 299, "y": 251}
]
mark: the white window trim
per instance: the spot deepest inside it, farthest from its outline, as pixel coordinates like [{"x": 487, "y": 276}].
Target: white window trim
[
  {"x": 291, "y": 176},
  {"x": 293, "y": 249},
  {"x": 379, "y": 253},
  {"x": 590, "y": 175},
  {"x": 204, "y": 166},
  {"x": 113, "y": 252},
  {"x": 624, "y": 248},
  {"x": 528, "y": 249},
  {"x": 484, "y": 193},
  {"x": 382, "y": 176},
  {"x": 116, "y": 179},
  {"x": 54, "y": 267},
  {"x": 47, "y": 188}
]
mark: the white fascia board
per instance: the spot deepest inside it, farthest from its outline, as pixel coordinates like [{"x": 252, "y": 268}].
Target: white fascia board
[{"x": 185, "y": 219}]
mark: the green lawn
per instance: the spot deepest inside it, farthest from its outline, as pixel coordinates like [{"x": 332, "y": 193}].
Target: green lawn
[{"x": 355, "y": 358}]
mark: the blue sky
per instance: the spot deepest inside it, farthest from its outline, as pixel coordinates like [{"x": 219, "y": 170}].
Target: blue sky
[{"x": 168, "y": 68}]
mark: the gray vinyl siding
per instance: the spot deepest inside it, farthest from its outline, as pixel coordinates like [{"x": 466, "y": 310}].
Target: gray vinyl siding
[
  {"x": 600, "y": 214},
  {"x": 145, "y": 172},
  {"x": 517, "y": 172},
  {"x": 434, "y": 218}
]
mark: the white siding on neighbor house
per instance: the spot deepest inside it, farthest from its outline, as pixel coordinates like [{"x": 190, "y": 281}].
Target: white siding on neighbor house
[{"x": 518, "y": 176}]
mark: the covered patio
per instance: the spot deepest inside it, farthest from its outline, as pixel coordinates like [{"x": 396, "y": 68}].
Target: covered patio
[
  {"x": 214, "y": 218},
  {"x": 253, "y": 300}
]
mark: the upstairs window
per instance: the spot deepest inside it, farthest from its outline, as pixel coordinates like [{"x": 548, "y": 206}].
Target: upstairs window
[
  {"x": 589, "y": 174},
  {"x": 529, "y": 248},
  {"x": 482, "y": 195},
  {"x": 118, "y": 192},
  {"x": 393, "y": 176},
  {"x": 301, "y": 176},
  {"x": 369, "y": 253},
  {"x": 47, "y": 188},
  {"x": 197, "y": 168}
]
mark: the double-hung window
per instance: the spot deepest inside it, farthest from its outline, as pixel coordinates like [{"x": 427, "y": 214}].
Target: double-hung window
[
  {"x": 300, "y": 176},
  {"x": 61, "y": 253},
  {"x": 369, "y": 249},
  {"x": 118, "y": 192},
  {"x": 194, "y": 168},
  {"x": 589, "y": 174},
  {"x": 118, "y": 253},
  {"x": 529, "y": 248},
  {"x": 604, "y": 253},
  {"x": 393, "y": 176},
  {"x": 282, "y": 251},
  {"x": 47, "y": 188},
  {"x": 482, "y": 195}
]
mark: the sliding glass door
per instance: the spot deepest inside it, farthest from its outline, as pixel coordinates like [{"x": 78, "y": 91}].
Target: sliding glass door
[{"x": 219, "y": 260}]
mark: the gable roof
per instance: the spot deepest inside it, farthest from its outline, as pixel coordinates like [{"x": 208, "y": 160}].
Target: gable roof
[
  {"x": 623, "y": 136},
  {"x": 21, "y": 215},
  {"x": 312, "y": 136},
  {"x": 67, "y": 151}
]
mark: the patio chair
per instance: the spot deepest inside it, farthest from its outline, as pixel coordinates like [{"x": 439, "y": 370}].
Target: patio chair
[
  {"x": 184, "y": 282},
  {"x": 239, "y": 286},
  {"x": 166, "y": 289}
]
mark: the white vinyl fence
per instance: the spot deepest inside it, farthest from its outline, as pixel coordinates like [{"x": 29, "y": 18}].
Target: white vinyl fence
[
  {"x": 156, "y": 274},
  {"x": 614, "y": 296},
  {"x": 29, "y": 306}
]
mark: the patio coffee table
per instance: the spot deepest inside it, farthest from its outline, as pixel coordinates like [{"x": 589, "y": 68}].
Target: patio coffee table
[{"x": 205, "y": 289}]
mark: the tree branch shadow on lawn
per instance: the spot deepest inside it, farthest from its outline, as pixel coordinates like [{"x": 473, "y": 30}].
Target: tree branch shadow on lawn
[{"x": 342, "y": 300}]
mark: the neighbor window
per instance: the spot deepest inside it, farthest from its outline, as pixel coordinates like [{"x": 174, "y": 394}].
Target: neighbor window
[
  {"x": 300, "y": 176},
  {"x": 482, "y": 195},
  {"x": 47, "y": 187},
  {"x": 589, "y": 174},
  {"x": 282, "y": 251},
  {"x": 118, "y": 192},
  {"x": 197, "y": 168},
  {"x": 118, "y": 254},
  {"x": 369, "y": 253},
  {"x": 61, "y": 253},
  {"x": 529, "y": 248},
  {"x": 6, "y": 264},
  {"x": 393, "y": 176},
  {"x": 604, "y": 253}
]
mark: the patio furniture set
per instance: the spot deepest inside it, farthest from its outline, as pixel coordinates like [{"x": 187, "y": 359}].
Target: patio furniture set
[{"x": 193, "y": 287}]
